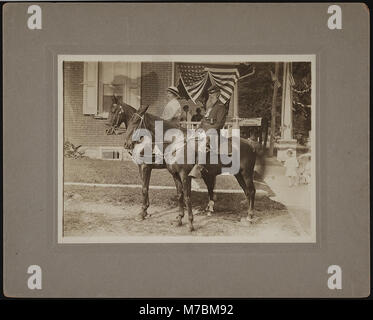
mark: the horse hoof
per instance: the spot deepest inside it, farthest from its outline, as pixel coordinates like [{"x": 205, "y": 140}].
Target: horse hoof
[
  {"x": 140, "y": 218},
  {"x": 209, "y": 213},
  {"x": 191, "y": 229}
]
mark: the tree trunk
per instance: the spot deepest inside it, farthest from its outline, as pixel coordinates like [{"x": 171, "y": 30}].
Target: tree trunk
[
  {"x": 265, "y": 129},
  {"x": 273, "y": 111}
]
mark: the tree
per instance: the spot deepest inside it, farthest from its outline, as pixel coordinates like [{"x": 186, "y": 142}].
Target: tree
[{"x": 256, "y": 93}]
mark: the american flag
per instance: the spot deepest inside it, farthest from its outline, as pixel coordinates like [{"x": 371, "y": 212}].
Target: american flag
[
  {"x": 192, "y": 81},
  {"x": 225, "y": 79},
  {"x": 195, "y": 79}
]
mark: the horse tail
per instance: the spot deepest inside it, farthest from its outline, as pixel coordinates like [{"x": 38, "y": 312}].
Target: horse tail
[
  {"x": 260, "y": 163},
  {"x": 258, "y": 152}
]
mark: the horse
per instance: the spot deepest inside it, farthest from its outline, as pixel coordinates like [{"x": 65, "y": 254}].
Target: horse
[
  {"x": 122, "y": 113},
  {"x": 180, "y": 170}
]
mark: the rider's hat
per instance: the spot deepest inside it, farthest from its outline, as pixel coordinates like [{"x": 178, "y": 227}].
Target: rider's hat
[{"x": 174, "y": 91}]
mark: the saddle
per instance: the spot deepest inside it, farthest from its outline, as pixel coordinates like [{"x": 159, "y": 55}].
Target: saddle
[
  {"x": 209, "y": 148},
  {"x": 216, "y": 149}
]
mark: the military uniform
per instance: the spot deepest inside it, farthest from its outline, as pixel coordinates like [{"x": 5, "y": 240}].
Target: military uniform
[{"x": 215, "y": 117}]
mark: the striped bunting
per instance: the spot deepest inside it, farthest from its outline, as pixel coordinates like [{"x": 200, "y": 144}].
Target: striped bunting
[
  {"x": 195, "y": 90},
  {"x": 225, "y": 79},
  {"x": 195, "y": 79}
]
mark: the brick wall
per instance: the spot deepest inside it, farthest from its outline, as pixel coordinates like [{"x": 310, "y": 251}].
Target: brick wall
[
  {"x": 89, "y": 132},
  {"x": 82, "y": 129},
  {"x": 156, "y": 77}
]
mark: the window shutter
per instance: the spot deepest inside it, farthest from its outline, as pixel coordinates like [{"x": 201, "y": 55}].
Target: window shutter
[
  {"x": 90, "y": 88},
  {"x": 133, "y": 84}
]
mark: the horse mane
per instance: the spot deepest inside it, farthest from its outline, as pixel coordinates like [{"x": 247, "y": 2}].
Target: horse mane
[
  {"x": 130, "y": 108},
  {"x": 128, "y": 111}
]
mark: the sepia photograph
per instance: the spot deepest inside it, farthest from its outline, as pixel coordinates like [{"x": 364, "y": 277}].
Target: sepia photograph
[
  {"x": 194, "y": 148},
  {"x": 146, "y": 141}
]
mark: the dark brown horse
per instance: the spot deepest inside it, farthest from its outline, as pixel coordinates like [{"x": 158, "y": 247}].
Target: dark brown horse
[
  {"x": 122, "y": 113},
  {"x": 180, "y": 170}
]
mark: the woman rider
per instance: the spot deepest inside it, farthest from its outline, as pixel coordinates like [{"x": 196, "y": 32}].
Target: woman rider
[{"x": 172, "y": 110}]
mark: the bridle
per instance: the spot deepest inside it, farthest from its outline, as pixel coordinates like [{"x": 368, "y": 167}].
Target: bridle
[
  {"x": 142, "y": 124},
  {"x": 118, "y": 120},
  {"x": 117, "y": 123}
]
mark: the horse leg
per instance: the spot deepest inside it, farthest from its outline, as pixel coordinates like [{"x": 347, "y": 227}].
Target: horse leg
[
  {"x": 210, "y": 183},
  {"x": 245, "y": 187},
  {"x": 187, "y": 189},
  {"x": 180, "y": 198},
  {"x": 251, "y": 191},
  {"x": 145, "y": 173}
]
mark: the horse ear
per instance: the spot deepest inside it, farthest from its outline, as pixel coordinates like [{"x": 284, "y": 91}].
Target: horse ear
[{"x": 142, "y": 110}]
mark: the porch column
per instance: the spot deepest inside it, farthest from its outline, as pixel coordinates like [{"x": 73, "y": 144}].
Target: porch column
[
  {"x": 235, "y": 107},
  {"x": 173, "y": 74},
  {"x": 286, "y": 142}
]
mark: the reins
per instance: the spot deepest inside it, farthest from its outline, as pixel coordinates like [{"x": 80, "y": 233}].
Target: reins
[{"x": 143, "y": 125}]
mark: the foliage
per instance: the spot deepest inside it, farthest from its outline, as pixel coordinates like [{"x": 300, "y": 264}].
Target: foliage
[
  {"x": 256, "y": 93},
  {"x": 72, "y": 151},
  {"x": 302, "y": 101}
]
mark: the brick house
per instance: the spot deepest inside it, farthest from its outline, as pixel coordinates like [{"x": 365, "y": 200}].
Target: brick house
[{"x": 87, "y": 91}]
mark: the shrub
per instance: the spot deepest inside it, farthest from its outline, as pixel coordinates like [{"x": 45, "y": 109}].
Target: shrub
[{"x": 72, "y": 151}]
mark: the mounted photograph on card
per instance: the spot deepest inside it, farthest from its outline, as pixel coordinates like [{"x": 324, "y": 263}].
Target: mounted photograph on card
[
  {"x": 139, "y": 148},
  {"x": 186, "y": 148}
]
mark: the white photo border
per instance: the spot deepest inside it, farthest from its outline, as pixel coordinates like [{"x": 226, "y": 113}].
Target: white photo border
[{"x": 184, "y": 58}]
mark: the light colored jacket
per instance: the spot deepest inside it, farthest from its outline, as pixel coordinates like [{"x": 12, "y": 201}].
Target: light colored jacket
[{"x": 172, "y": 110}]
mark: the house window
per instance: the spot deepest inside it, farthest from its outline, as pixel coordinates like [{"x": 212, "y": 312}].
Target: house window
[
  {"x": 111, "y": 153},
  {"x": 104, "y": 79}
]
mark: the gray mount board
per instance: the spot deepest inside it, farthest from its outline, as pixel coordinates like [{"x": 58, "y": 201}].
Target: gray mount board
[{"x": 186, "y": 269}]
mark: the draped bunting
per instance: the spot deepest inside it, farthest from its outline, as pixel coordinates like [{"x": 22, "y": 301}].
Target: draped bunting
[{"x": 194, "y": 80}]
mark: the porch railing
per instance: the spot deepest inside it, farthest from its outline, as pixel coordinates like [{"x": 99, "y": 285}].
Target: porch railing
[{"x": 242, "y": 122}]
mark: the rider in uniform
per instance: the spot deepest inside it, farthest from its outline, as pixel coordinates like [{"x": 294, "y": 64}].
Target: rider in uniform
[{"x": 215, "y": 116}]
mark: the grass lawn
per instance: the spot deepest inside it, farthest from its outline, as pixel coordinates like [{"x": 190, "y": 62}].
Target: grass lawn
[
  {"x": 111, "y": 211},
  {"x": 126, "y": 172}
]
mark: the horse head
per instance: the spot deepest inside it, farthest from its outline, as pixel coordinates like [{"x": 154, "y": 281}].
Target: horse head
[{"x": 116, "y": 116}]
